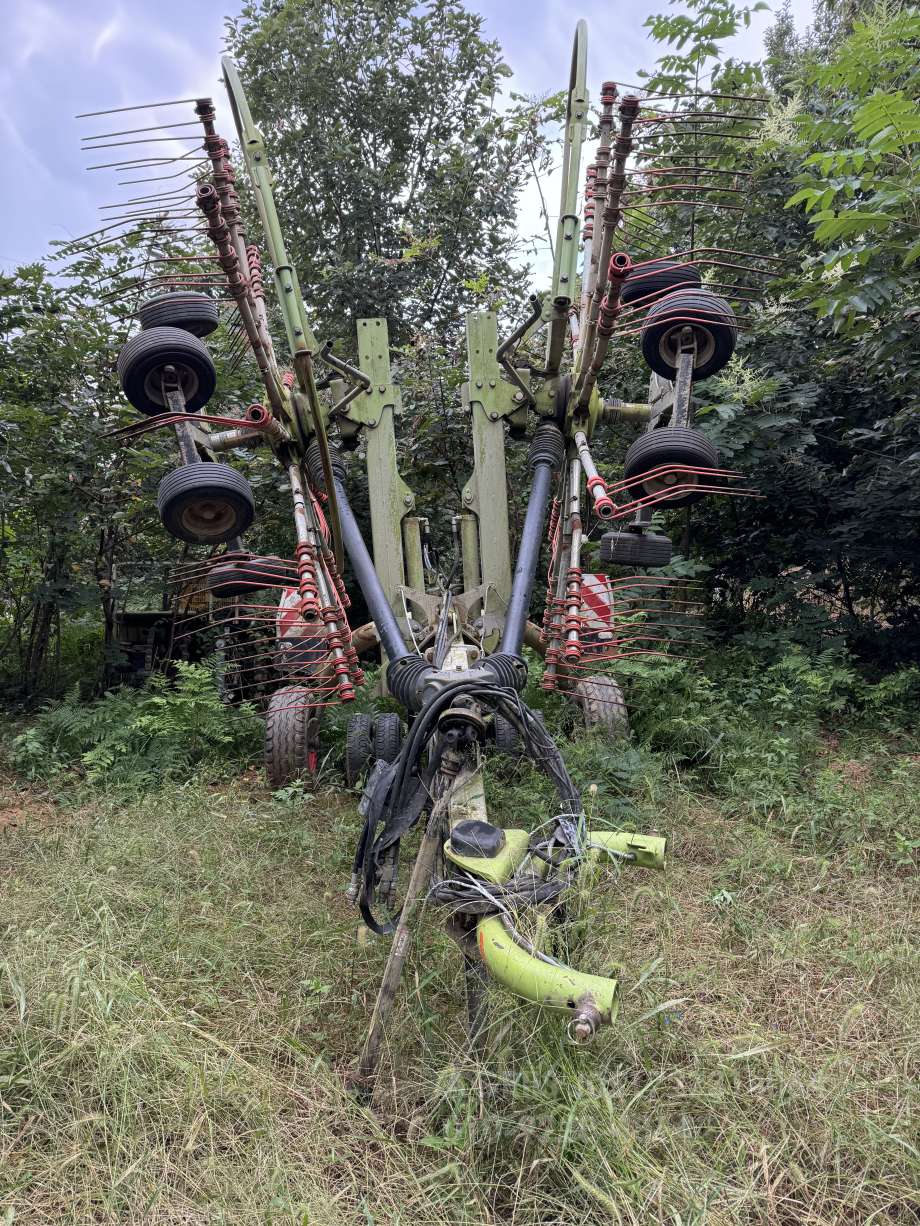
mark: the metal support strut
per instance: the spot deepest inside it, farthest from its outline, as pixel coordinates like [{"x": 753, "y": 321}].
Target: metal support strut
[{"x": 546, "y": 453}]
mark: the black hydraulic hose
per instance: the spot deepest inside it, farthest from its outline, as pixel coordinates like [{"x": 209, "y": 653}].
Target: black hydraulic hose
[
  {"x": 391, "y": 638},
  {"x": 546, "y": 453}
]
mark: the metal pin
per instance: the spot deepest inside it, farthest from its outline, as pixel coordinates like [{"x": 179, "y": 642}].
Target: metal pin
[
  {"x": 144, "y": 140},
  {"x": 147, "y": 106},
  {"x": 157, "y": 127}
]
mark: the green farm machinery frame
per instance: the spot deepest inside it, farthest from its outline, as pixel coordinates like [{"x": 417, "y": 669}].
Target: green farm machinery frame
[{"x": 453, "y": 651}]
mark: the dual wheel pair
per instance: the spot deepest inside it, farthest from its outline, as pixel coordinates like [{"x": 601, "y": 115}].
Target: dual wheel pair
[
  {"x": 672, "y": 445},
  {"x": 292, "y": 748},
  {"x": 206, "y": 503},
  {"x": 369, "y": 739},
  {"x": 676, "y": 299}
]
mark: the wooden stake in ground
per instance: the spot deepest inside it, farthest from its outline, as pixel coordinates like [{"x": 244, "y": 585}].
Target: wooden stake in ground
[{"x": 402, "y": 942}]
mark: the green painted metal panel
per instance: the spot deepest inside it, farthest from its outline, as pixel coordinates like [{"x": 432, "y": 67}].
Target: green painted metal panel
[
  {"x": 490, "y": 399},
  {"x": 497, "y": 868},
  {"x": 390, "y": 497}
]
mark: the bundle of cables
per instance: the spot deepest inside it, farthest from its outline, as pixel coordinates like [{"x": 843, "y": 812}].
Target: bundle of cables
[{"x": 399, "y": 793}]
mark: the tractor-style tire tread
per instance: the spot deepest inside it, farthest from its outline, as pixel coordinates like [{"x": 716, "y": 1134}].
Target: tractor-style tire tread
[
  {"x": 192, "y": 312},
  {"x": 650, "y": 282},
  {"x": 219, "y": 482},
  {"x": 671, "y": 445},
  {"x": 359, "y": 737},
  {"x": 388, "y": 736},
  {"x": 712, "y": 320},
  {"x": 646, "y": 549},
  {"x": 289, "y": 736},
  {"x": 240, "y": 578},
  {"x": 602, "y": 704},
  {"x": 143, "y": 358}
]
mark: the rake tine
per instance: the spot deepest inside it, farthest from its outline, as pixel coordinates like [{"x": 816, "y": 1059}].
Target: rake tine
[{"x": 147, "y": 106}]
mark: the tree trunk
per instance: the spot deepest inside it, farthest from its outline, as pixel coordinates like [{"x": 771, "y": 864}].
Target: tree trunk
[{"x": 45, "y": 604}]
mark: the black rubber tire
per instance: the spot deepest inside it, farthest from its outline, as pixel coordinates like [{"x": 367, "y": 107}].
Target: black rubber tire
[
  {"x": 359, "y": 733},
  {"x": 635, "y": 549},
  {"x": 388, "y": 735},
  {"x": 141, "y": 362},
  {"x": 507, "y": 738},
  {"x": 670, "y": 445},
  {"x": 205, "y": 504},
  {"x": 602, "y": 705},
  {"x": 291, "y": 736},
  {"x": 713, "y": 323},
  {"x": 652, "y": 281},
  {"x": 240, "y": 578},
  {"x": 194, "y": 313}
]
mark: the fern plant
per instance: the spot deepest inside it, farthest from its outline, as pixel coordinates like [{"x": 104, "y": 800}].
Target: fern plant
[{"x": 136, "y": 737}]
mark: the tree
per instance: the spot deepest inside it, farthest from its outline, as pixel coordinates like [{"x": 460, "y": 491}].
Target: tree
[{"x": 398, "y": 167}]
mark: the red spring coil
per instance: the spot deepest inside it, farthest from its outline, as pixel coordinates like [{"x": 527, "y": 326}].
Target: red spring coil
[
  {"x": 553, "y": 519},
  {"x": 255, "y": 270},
  {"x": 306, "y": 572},
  {"x": 604, "y": 504}
]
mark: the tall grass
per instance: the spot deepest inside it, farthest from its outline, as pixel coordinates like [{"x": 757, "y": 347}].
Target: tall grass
[{"x": 183, "y": 996}]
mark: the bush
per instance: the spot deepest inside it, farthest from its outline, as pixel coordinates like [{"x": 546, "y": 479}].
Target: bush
[
  {"x": 749, "y": 727},
  {"x": 135, "y": 737}
]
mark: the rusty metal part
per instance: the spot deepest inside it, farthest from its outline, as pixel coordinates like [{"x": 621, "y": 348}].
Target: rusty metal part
[
  {"x": 597, "y": 487},
  {"x": 612, "y": 213},
  {"x": 209, "y": 202},
  {"x": 573, "y": 593},
  {"x": 359, "y": 380},
  {"x": 598, "y": 195},
  {"x": 617, "y": 271},
  {"x": 257, "y": 420},
  {"x": 585, "y": 1021}
]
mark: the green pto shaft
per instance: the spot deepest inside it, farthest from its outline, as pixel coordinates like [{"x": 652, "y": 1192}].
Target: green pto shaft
[
  {"x": 644, "y": 850},
  {"x": 545, "y": 983}
]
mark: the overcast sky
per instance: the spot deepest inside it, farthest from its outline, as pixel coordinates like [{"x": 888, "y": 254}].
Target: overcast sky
[{"x": 62, "y": 57}]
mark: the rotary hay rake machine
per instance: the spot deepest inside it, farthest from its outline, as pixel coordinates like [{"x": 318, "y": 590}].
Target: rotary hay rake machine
[{"x": 453, "y": 652}]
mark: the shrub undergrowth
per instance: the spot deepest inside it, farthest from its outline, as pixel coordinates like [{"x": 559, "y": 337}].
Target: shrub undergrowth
[{"x": 135, "y": 737}]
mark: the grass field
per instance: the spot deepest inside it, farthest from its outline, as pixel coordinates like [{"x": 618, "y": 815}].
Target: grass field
[{"x": 182, "y": 995}]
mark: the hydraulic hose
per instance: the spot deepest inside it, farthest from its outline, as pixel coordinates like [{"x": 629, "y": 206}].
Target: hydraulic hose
[
  {"x": 546, "y": 453},
  {"x": 391, "y": 639}
]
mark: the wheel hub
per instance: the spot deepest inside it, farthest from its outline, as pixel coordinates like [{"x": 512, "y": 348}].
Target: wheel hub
[
  {"x": 188, "y": 382},
  {"x": 208, "y": 517}
]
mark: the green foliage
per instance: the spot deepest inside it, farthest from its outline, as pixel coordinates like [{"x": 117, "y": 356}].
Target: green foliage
[
  {"x": 696, "y": 36},
  {"x": 748, "y": 727},
  {"x": 860, "y": 184},
  {"x": 132, "y": 738},
  {"x": 398, "y": 168}
]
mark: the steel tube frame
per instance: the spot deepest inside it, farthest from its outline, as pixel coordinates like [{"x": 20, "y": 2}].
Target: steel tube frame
[
  {"x": 528, "y": 555},
  {"x": 362, "y": 564}
]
